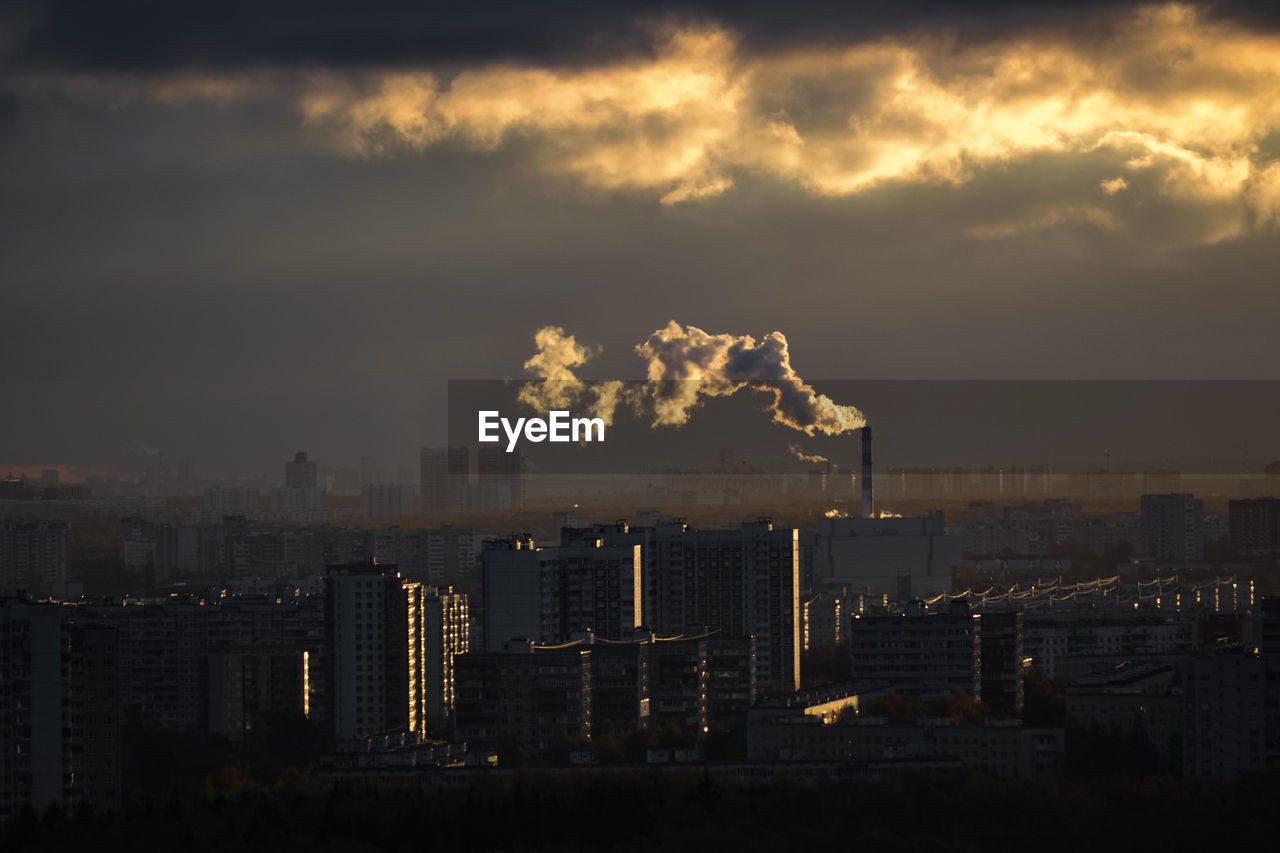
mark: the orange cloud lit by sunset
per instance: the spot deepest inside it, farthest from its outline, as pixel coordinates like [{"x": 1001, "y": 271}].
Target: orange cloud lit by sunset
[{"x": 1167, "y": 100}]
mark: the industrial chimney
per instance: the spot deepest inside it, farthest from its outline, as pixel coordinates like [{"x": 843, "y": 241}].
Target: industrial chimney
[{"x": 868, "y": 502}]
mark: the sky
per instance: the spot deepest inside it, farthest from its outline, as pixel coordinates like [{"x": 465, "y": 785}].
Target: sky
[{"x": 232, "y": 231}]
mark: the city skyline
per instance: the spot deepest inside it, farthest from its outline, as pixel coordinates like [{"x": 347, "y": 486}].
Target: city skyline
[
  {"x": 1211, "y": 428},
  {"x": 210, "y": 241},
  {"x": 577, "y": 426}
]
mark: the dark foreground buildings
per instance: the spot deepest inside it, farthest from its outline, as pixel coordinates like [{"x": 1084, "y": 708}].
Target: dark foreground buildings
[{"x": 59, "y": 711}]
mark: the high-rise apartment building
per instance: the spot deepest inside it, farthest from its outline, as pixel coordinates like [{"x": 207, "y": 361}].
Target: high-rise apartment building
[
  {"x": 375, "y": 637},
  {"x": 34, "y": 557},
  {"x": 590, "y": 587},
  {"x": 1173, "y": 528},
  {"x": 551, "y": 594},
  {"x": 301, "y": 497},
  {"x": 446, "y": 624},
  {"x": 1230, "y": 714},
  {"x": 1002, "y": 661},
  {"x": 742, "y": 582},
  {"x": 510, "y": 592},
  {"x": 59, "y": 711},
  {"x": 679, "y": 682},
  {"x": 1255, "y": 526}
]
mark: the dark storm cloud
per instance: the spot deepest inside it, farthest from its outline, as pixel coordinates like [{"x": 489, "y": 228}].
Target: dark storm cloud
[
  {"x": 1167, "y": 90},
  {"x": 153, "y": 36},
  {"x": 209, "y": 274}
]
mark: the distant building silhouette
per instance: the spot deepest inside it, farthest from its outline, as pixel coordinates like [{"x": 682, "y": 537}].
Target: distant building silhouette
[
  {"x": 231, "y": 500},
  {"x": 34, "y": 557},
  {"x": 301, "y": 473},
  {"x": 384, "y": 500},
  {"x": 445, "y": 472},
  {"x": 1173, "y": 528},
  {"x": 301, "y": 498},
  {"x": 899, "y": 557},
  {"x": 500, "y": 479}
]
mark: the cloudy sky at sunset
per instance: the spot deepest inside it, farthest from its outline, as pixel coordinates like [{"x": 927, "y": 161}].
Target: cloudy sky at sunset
[{"x": 233, "y": 233}]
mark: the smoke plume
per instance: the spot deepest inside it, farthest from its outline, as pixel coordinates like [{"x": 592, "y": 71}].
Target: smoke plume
[
  {"x": 558, "y": 354},
  {"x": 798, "y": 452},
  {"x": 684, "y": 364},
  {"x": 559, "y": 387}
]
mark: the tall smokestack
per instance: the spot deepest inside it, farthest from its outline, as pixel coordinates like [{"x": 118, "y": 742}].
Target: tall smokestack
[{"x": 868, "y": 502}]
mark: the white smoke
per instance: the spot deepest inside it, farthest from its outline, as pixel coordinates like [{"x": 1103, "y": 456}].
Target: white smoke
[
  {"x": 684, "y": 364},
  {"x": 558, "y": 385}
]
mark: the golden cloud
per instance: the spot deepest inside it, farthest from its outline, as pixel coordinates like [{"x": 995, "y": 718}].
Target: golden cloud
[
  {"x": 1111, "y": 186},
  {"x": 1167, "y": 96},
  {"x": 1168, "y": 92},
  {"x": 653, "y": 125},
  {"x": 1094, "y": 217}
]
